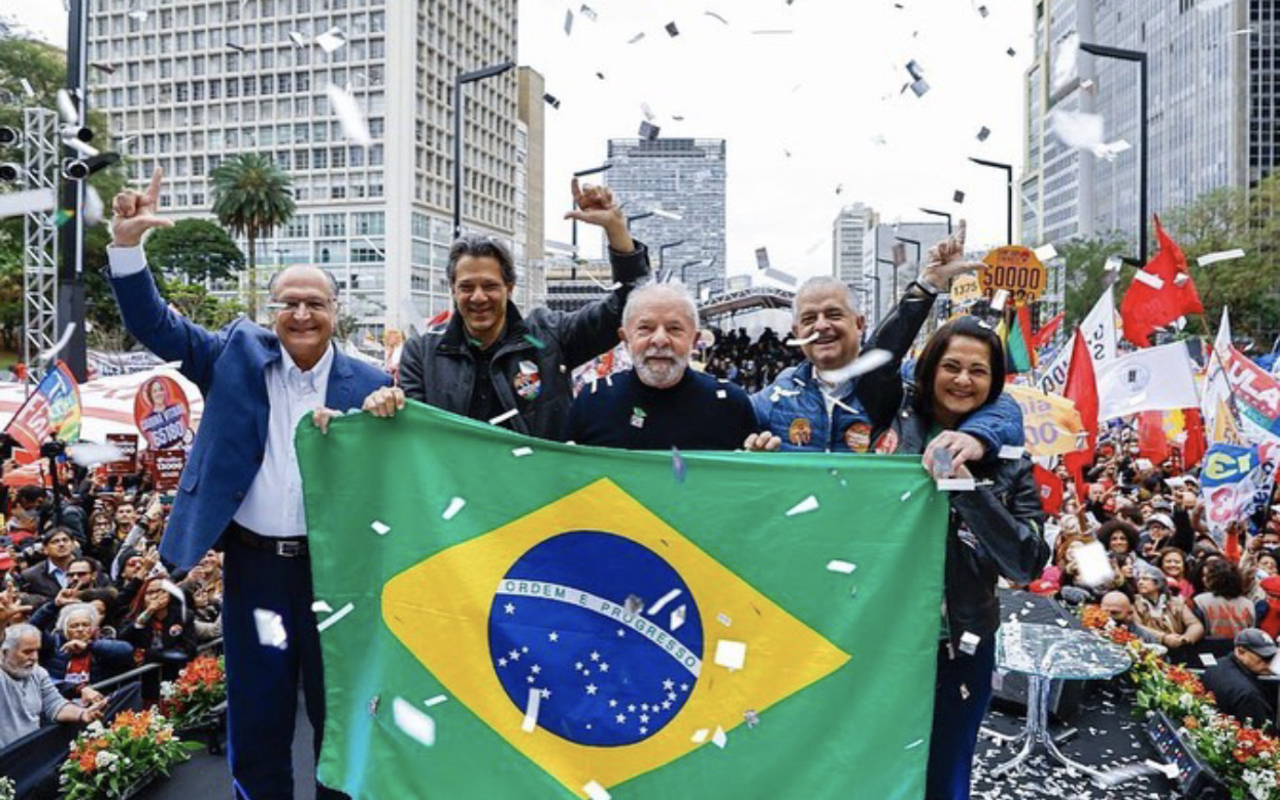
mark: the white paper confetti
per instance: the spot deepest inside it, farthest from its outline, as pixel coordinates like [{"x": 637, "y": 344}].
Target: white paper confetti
[
  {"x": 810, "y": 339},
  {"x": 661, "y": 602},
  {"x": 354, "y": 126},
  {"x": 1012, "y": 453},
  {"x": 699, "y": 736},
  {"x": 724, "y": 619},
  {"x": 719, "y": 738},
  {"x": 331, "y": 40},
  {"x": 380, "y": 528},
  {"x": 594, "y": 790},
  {"x": 415, "y": 724},
  {"x": 270, "y": 625},
  {"x": 1113, "y": 264},
  {"x": 997, "y": 302},
  {"x": 721, "y": 394},
  {"x": 531, "y": 710},
  {"x": 504, "y": 416},
  {"x": 335, "y": 617},
  {"x": 26, "y": 87},
  {"x": 1046, "y": 252},
  {"x": 843, "y": 567},
  {"x": 969, "y": 642},
  {"x": 298, "y": 39},
  {"x": 1208, "y": 659},
  {"x": 677, "y": 618},
  {"x": 914, "y": 744},
  {"x": 806, "y": 505},
  {"x": 321, "y": 607},
  {"x": 871, "y": 360},
  {"x": 957, "y": 485},
  {"x": 730, "y": 654},
  {"x": 1154, "y": 281},
  {"x": 521, "y": 452},
  {"x": 32, "y": 201},
  {"x": 1094, "y": 568},
  {"x": 455, "y": 505},
  {"x": 905, "y": 496},
  {"x": 434, "y": 701},
  {"x": 1077, "y": 128},
  {"x": 1222, "y": 255},
  {"x": 89, "y": 454}
]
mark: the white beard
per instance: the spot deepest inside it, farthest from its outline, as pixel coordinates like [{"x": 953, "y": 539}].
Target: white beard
[{"x": 660, "y": 377}]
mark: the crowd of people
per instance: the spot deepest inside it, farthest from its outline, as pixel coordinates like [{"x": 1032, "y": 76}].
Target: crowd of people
[
  {"x": 85, "y": 589},
  {"x": 108, "y": 578}
]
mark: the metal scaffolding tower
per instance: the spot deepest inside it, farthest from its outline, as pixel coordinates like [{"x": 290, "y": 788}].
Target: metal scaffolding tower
[{"x": 40, "y": 150}]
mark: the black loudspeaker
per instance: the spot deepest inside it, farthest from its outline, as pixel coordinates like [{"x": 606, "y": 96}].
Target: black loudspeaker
[{"x": 1011, "y": 687}]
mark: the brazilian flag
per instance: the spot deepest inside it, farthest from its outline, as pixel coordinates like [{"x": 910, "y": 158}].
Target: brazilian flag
[{"x": 505, "y": 617}]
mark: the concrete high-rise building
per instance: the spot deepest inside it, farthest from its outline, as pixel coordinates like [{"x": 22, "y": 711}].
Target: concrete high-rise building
[
  {"x": 530, "y": 240},
  {"x": 203, "y": 81},
  {"x": 885, "y": 282},
  {"x": 682, "y": 178},
  {"x": 1211, "y": 111},
  {"x": 848, "y": 234}
]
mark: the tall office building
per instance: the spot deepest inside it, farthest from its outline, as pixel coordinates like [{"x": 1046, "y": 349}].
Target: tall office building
[
  {"x": 1211, "y": 109},
  {"x": 530, "y": 240},
  {"x": 848, "y": 234},
  {"x": 202, "y": 81},
  {"x": 887, "y": 273},
  {"x": 682, "y": 178}
]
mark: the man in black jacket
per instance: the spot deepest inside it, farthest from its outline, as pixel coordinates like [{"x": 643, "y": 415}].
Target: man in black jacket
[
  {"x": 1234, "y": 680},
  {"x": 489, "y": 362}
]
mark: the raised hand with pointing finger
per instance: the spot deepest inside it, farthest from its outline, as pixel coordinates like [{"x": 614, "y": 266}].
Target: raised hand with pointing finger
[
  {"x": 134, "y": 213},
  {"x": 946, "y": 260}
]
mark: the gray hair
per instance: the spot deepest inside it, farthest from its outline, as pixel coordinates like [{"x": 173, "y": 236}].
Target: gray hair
[
  {"x": 15, "y": 634},
  {"x": 674, "y": 290},
  {"x": 74, "y": 609},
  {"x": 819, "y": 282}
]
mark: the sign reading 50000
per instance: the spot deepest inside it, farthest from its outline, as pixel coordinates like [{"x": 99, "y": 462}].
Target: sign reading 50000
[{"x": 1015, "y": 269}]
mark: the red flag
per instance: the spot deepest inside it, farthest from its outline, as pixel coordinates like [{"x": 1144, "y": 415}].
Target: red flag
[
  {"x": 1049, "y": 488},
  {"x": 1042, "y": 336},
  {"x": 1160, "y": 293},
  {"x": 1152, "y": 443},
  {"x": 1194, "y": 447},
  {"x": 439, "y": 319},
  {"x": 1081, "y": 388}
]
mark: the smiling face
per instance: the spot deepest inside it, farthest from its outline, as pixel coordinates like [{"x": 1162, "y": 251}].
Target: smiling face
[
  {"x": 1118, "y": 542},
  {"x": 305, "y": 313},
  {"x": 481, "y": 297},
  {"x": 824, "y": 311},
  {"x": 159, "y": 397},
  {"x": 659, "y": 334},
  {"x": 963, "y": 379},
  {"x": 1172, "y": 564}
]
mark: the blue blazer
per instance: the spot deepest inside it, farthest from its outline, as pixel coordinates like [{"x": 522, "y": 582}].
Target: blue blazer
[{"x": 229, "y": 367}]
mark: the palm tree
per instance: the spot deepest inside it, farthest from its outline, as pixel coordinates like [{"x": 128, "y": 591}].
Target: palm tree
[{"x": 251, "y": 197}]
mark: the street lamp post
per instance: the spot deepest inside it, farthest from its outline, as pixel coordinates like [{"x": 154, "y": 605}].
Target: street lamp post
[
  {"x": 904, "y": 240},
  {"x": 459, "y": 110},
  {"x": 940, "y": 214},
  {"x": 876, "y": 278},
  {"x": 1008, "y": 188},
  {"x": 697, "y": 262},
  {"x": 662, "y": 253},
  {"x": 1140, "y": 57}
]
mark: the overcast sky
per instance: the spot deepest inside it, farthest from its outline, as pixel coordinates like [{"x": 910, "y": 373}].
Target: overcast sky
[{"x": 827, "y": 92}]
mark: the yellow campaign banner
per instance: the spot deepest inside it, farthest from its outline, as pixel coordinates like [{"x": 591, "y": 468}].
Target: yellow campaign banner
[
  {"x": 1051, "y": 423},
  {"x": 965, "y": 289},
  {"x": 1016, "y": 270}
]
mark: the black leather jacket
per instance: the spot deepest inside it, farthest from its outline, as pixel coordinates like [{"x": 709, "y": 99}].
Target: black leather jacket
[
  {"x": 995, "y": 530},
  {"x": 531, "y": 364}
]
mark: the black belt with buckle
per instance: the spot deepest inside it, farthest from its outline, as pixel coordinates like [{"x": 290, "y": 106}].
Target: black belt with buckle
[{"x": 291, "y": 547}]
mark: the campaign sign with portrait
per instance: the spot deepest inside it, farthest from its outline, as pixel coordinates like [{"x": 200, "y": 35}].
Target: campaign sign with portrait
[{"x": 162, "y": 413}]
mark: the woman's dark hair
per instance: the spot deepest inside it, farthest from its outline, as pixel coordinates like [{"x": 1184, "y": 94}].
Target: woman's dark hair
[
  {"x": 1223, "y": 579},
  {"x": 474, "y": 244},
  {"x": 927, "y": 366},
  {"x": 1132, "y": 514},
  {"x": 1110, "y": 527}
]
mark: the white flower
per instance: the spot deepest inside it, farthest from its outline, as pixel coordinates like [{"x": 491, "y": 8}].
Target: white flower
[
  {"x": 105, "y": 758},
  {"x": 95, "y": 729},
  {"x": 168, "y": 689}
]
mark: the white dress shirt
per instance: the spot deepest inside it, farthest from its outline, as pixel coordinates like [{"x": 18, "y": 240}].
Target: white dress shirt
[{"x": 273, "y": 504}]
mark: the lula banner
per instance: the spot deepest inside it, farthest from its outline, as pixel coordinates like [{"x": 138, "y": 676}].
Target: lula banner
[{"x": 506, "y": 617}]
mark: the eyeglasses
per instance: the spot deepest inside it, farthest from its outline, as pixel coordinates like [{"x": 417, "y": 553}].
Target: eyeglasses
[{"x": 312, "y": 305}]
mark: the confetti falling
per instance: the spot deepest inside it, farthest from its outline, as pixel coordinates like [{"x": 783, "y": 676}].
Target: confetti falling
[
  {"x": 810, "y": 339},
  {"x": 699, "y": 736},
  {"x": 271, "y": 632},
  {"x": 380, "y": 528},
  {"x": 730, "y": 654},
  {"x": 434, "y": 701},
  {"x": 90, "y": 454},
  {"x": 321, "y": 607},
  {"x": 352, "y": 120},
  {"x": 595, "y": 791},
  {"x": 806, "y": 505},
  {"x": 414, "y": 723},
  {"x": 842, "y": 567},
  {"x": 521, "y": 452},
  {"x": 867, "y": 362},
  {"x": 504, "y": 416},
  {"x": 455, "y": 505},
  {"x": 530, "y": 723},
  {"x": 677, "y": 465},
  {"x": 1222, "y": 255},
  {"x": 719, "y": 738},
  {"x": 335, "y": 617}
]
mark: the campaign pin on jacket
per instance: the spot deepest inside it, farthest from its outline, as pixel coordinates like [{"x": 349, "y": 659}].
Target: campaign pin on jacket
[
  {"x": 637, "y": 417},
  {"x": 528, "y": 384}
]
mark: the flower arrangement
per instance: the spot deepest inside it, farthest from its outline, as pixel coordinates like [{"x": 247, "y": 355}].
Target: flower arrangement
[
  {"x": 1245, "y": 759},
  {"x": 111, "y": 762},
  {"x": 7, "y": 790},
  {"x": 201, "y": 686}
]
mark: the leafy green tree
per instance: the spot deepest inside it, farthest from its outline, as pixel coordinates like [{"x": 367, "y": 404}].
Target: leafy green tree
[
  {"x": 1086, "y": 274},
  {"x": 196, "y": 249},
  {"x": 251, "y": 197},
  {"x": 196, "y": 304}
]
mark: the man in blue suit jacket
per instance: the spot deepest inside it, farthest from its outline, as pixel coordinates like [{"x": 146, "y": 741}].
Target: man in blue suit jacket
[{"x": 242, "y": 487}]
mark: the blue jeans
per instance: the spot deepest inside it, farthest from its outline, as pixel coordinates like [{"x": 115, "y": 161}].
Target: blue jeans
[
  {"x": 957, "y": 715},
  {"x": 262, "y": 681}
]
